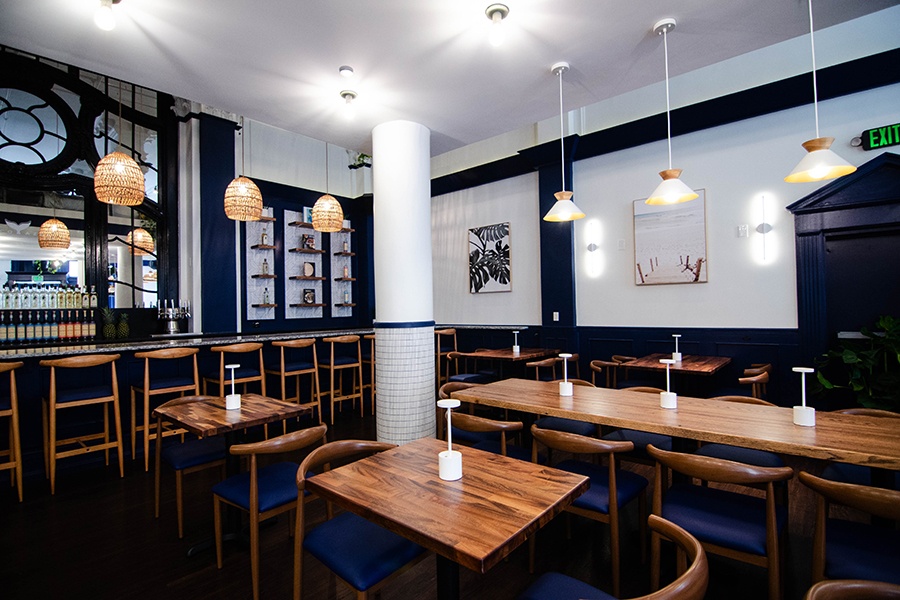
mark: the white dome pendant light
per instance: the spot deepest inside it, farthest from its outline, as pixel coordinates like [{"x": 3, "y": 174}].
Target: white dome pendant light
[{"x": 563, "y": 209}]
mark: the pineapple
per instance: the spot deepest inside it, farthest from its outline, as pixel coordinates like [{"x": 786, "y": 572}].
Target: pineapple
[
  {"x": 122, "y": 329},
  {"x": 109, "y": 323}
]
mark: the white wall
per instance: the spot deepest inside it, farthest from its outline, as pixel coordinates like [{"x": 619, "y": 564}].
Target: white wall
[{"x": 452, "y": 215}]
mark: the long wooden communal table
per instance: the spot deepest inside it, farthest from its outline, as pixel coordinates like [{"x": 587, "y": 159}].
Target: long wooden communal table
[
  {"x": 474, "y": 521},
  {"x": 853, "y": 439}
]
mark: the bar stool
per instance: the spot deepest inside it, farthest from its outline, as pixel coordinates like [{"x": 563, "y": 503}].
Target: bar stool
[
  {"x": 293, "y": 365},
  {"x": 156, "y": 387},
  {"x": 443, "y": 347},
  {"x": 337, "y": 365},
  {"x": 9, "y": 407},
  {"x": 368, "y": 358},
  {"x": 97, "y": 394},
  {"x": 243, "y": 374}
]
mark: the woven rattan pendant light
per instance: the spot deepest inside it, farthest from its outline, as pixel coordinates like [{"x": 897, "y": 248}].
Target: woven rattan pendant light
[
  {"x": 118, "y": 178},
  {"x": 243, "y": 200},
  {"x": 327, "y": 214},
  {"x": 54, "y": 234},
  {"x": 140, "y": 241}
]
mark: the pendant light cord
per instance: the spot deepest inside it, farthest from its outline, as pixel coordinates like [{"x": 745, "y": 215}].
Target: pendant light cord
[
  {"x": 326, "y": 167},
  {"x": 562, "y": 146},
  {"x": 812, "y": 44},
  {"x": 243, "y": 132},
  {"x": 668, "y": 109}
]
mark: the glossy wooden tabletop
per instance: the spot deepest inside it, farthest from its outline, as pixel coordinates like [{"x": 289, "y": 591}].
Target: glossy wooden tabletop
[
  {"x": 846, "y": 438},
  {"x": 474, "y": 521},
  {"x": 690, "y": 363},
  {"x": 507, "y": 353},
  {"x": 206, "y": 415}
]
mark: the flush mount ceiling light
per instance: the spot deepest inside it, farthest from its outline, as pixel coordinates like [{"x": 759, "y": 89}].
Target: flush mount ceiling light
[
  {"x": 53, "y": 234},
  {"x": 243, "y": 200},
  {"x": 104, "y": 18},
  {"x": 118, "y": 178},
  {"x": 327, "y": 214},
  {"x": 820, "y": 162},
  {"x": 345, "y": 71},
  {"x": 496, "y": 13},
  {"x": 563, "y": 209},
  {"x": 672, "y": 190}
]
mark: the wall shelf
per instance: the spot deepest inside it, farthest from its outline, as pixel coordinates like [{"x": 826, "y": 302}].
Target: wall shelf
[
  {"x": 262, "y": 247},
  {"x": 303, "y": 224},
  {"x": 351, "y": 279},
  {"x": 263, "y": 276},
  {"x": 346, "y": 304},
  {"x": 306, "y": 250},
  {"x": 259, "y": 267},
  {"x": 305, "y": 278},
  {"x": 306, "y": 305},
  {"x": 266, "y": 218},
  {"x": 264, "y": 305},
  {"x": 342, "y": 253}
]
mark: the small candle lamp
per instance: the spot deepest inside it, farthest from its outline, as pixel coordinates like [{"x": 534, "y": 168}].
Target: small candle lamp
[
  {"x": 804, "y": 415},
  {"x": 232, "y": 400},
  {"x": 668, "y": 398},
  {"x": 676, "y": 356},
  {"x": 516, "y": 342},
  {"x": 566, "y": 388},
  {"x": 450, "y": 460}
]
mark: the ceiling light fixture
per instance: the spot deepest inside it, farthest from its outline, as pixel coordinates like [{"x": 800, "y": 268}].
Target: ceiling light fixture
[
  {"x": 345, "y": 71},
  {"x": 118, "y": 178},
  {"x": 563, "y": 209},
  {"x": 349, "y": 110},
  {"x": 820, "y": 162},
  {"x": 327, "y": 214},
  {"x": 496, "y": 13},
  {"x": 243, "y": 200},
  {"x": 104, "y": 18},
  {"x": 672, "y": 190},
  {"x": 54, "y": 234},
  {"x": 140, "y": 241}
]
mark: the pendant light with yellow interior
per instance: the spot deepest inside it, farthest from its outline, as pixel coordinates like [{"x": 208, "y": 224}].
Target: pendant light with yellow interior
[
  {"x": 118, "y": 178},
  {"x": 327, "y": 214},
  {"x": 243, "y": 200},
  {"x": 564, "y": 208},
  {"x": 54, "y": 234},
  {"x": 140, "y": 242}
]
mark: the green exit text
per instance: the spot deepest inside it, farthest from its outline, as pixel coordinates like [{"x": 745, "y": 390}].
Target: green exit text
[{"x": 881, "y": 137}]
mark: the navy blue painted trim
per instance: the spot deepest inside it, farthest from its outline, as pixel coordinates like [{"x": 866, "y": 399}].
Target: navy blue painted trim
[{"x": 404, "y": 325}]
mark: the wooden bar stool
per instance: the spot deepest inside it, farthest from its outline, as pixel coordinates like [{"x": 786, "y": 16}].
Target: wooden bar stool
[
  {"x": 368, "y": 358},
  {"x": 9, "y": 407},
  {"x": 445, "y": 343},
  {"x": 97, "y": 394},
  {"x": 157, "y": 386},
  {"x": 337, "y": 365},
  {"x": 243, "y": 375},
  {"x": 293, "y": 365}
]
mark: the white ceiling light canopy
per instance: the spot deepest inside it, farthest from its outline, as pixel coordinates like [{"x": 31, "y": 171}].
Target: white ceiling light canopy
[
  {"x": 563, "y": 209},
  {"x": 820, "y": 162},
  {"x": 672, "y": 190},
  {"x": 496, "y": 13},
  {"x": 346, "y": 71},
  {"x": 104, "y": 18}
]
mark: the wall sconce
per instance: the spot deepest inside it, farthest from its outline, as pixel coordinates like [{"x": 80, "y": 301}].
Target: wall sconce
[
  {"x": 763, "y": 227},
  {"x": 595, "y": 259}
]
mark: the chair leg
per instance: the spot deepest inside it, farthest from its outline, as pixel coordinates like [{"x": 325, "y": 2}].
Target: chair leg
[
  {"x": 217, "y": 519},
  {"x": 156, "y": 469},
  {"x": 16, "y": 448},
  {"x": 146, "y": 431},
  {"x": 254, "y": 553},
  {"x": 45, "y": 438},
  {"x": 119, "y": 445},
  {"x": 51, "y": 441},
  {"x": 654, "y": 561},
  {"x": 179, "y": 504},
  {"x": 133, "y": 420},
  {"x": 106, "y": 432}
]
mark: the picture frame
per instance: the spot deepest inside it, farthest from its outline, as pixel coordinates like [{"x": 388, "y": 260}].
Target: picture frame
[
  {"x": 309, "y": 241},
  {"x": 307, "y": 214},
  {"x": 489, "y": 259},
  {"x": 309, "y": 269},
  {"x": 309, "y": 296},
  {"x": 670, "y": 242}
]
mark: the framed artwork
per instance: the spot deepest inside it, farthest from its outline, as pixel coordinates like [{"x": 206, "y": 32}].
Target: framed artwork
[
  {"x": 670, "y": 242},
  {"x": 309, "y": 269},
  {"x": 307, "y": 214},
  {"x": 309, "y": 296},
  {"x": 309, "y": 241},
  {"x": 489, "y": 259}
]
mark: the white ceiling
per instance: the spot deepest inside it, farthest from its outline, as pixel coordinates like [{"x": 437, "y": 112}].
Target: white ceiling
[{"x": 429, "y": 61}]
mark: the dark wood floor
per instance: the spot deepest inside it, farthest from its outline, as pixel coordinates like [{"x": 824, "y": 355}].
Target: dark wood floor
[{"x": 97, "y": 538}]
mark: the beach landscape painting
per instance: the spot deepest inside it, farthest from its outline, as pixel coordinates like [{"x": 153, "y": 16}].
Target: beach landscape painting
[{"x": 670, "y": 242}]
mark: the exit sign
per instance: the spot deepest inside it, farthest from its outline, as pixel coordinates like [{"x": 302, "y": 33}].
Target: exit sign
[{"x": 881, "y": 137}]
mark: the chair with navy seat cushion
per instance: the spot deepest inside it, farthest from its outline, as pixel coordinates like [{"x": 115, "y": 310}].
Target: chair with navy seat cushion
[
  {"x": 610, "y": 487},
  {"x": 444, "y": 393},
  {"x": 361, "y": 553},
  {"x": 185, "y": 457},
  {"x": 298, "y": 358},
  {"x": 264, "y": 491},
  {"x": 640, "y": 439},
  {"x": 100, "y": 388},
  {"x": 844, "y": 549},
  {"x": 250, "y": 371},
  {"x": 9, "y": 407},
  {"x": 160, "y": 386},
  {"x": 751, "y": 456},
  {"x": 569, "y": 425},
  {"x": 853, "y": 589},
  {"x": 689, "y": 585},
  {"x": 607, "y": 368},
  {"x": 860, "y": 474},
  {"x": 487, "y": 434},
  {"x": 739, "y": 526},
  {"x": 453, "y": 374},
  {"x": 338, "y": 364},
  {"x": 444, "y": 344}
]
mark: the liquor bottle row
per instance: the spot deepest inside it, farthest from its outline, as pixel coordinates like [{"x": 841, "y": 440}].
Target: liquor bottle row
[
  {"x": 17, "y": 297},
  {"x": 33, "y": 326}
]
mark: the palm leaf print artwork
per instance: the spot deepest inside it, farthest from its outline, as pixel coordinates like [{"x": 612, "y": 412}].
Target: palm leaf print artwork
[{"x": 489, "y": 259}]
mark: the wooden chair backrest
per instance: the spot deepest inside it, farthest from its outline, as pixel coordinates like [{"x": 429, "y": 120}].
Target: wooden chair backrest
[
  {"x": 482, "y": 424},
  {"x": 646, "y": 389},
  {"x": 869, "y": 412},
  {"x": 578, "y": 444},
  {"x": 583, "y": 382},
  {"x": 453, "y": 386},
  {"x": 9, "y": 366},
  {"x": 167, "y": 353},
  {"x": 321, "y": 458},
  {"x": 690, "y": 585},
  {"x": 853, "y": 589},
  {"x": 341, "y": 339},
  {"x": 238, "y": 348},
  {"x": 717, "y": 469},
  {"x": 301, "y": 343},
  {"x": 881, "y": 502},
  {"x": 621, "y": 358},
  {"x": 743, "y": 400},
  {"x": 289, "y": 442},
  {"x": 80, "y": 361}
]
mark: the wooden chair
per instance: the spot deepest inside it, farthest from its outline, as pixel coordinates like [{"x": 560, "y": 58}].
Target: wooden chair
[
  {"x": 756, "y": 377},
  {"x": 368, "y": 358},
  {"x": 453, "y": 373},
  {"x": 158, "y": 386},
  {"x": 265, "y": 491},
  {"x": 570, "y": 361},
  {"x": 547, "y": 363},
  {"x": 292, "y": 365},
  {"x": 444, "y": 394},
  {"x": 641, "y": 439},
  {"x": 760, "y": 458},
  {"x": 243, "y": 375},
  {"x": 9, "y": 407},
  {"x": 690, "y": 585},
  {"x": 487, "y": 434},
  {"x": 609, "y": 485},
  {"x": 188, "y": 456},
  {"x": 569, "y": 425},
  {"x": 336, "y": 367},
  {"x": 608, "y": 368},
  {"x": 444, "y": 344},
  {"x": 361, "y": 553},
  {"x": 859, "y": 474},
  {"x": 731, "y": 524},
  {"x": 844, "y": 549},
  {"x": 61, "y": 398},
  {"x": 853, "y": 589}
]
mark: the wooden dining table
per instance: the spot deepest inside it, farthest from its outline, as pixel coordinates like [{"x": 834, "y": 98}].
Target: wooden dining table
[
  {"x": 475, "y": 521},
  {"x": 509, "y": 360},
  {"x": 690, "y": 364},
  {"x": 853, "y": 439}
]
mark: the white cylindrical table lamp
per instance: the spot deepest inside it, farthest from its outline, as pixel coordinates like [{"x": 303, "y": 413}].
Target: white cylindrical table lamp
[
  {"x": 232, "y": 400},
  {"x": 450, "y": 460},
  {"x": 676, "y": 356},
  {"x": 804, "y": 415},
  {"x": 668, "y": 398},
  {"x": 566, "y": 388}
]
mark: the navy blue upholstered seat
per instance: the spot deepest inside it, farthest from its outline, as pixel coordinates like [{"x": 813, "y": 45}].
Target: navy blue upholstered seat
[
  {"x": 567, "y": 425},
  {"x": 298, "y": 366},
  {"x": 512, "y": 451},
  {"x": 471, "y": 378},
  {"x": 861, "y": 551},
  {"x": 277, "y": 486},
  {"x": 628, "y": 485},
  {"x": 474, "y": 437},
  {"x": 556, "y": 586},
  {"x": 193, "y": 452},
  {"x": 857, "y": 474},
  {"x": 73, "y": 395},
  {"x": 162, "y": 383},
  {"x": 750, "y": 456},
  {"x": 359, "y": 551}
]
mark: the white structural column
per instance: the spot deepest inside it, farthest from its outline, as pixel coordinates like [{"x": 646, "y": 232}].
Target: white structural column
[{"x": 404, "y": 319}]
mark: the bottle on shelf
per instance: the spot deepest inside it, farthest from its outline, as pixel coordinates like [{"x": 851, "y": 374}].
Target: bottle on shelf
[
  {"x": 20, "y": 329},
  {"x": 85, "y": 298},
  {"x": 93, "y": 297},
  {"x": 76, "y": 327},
  {"x": 4, "y": 332},
  {"x": 265, "y": 296},
  {"x": 264, "y": 237},
  {"x": 61, "y": 296},
  {"x": 346, "y": 272},
  {"x": 265, "y": 266},
  {"x": 25, "y": 301},
  {"x": 92, "y": 327},
  {"x": 29, "y": 328},
  {"x": 35, "y": 297},
  {"x": 346, "y": 246},
  {"x": 346, "y": 297},
  {"x": 45, "y": 328},
  {"x": 54, "y": 327},
  {"x": 70, "y": 326}
]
